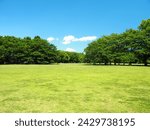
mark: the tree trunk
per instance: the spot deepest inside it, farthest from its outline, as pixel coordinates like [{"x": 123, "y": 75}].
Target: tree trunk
[{"x": 145, "y": 63}]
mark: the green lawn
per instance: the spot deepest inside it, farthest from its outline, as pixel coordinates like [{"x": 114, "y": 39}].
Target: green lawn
[{"x": 74, "y": 88}]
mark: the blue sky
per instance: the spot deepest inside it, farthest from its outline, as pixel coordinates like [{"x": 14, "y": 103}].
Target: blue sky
[{"x": 70, "y": 24}]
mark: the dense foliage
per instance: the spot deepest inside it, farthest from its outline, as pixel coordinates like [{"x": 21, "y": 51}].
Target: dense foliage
[
  {"x": 33, "y": 51},
  {"x": 132, "y": 46},
  {"x": 70, "y": 57}
]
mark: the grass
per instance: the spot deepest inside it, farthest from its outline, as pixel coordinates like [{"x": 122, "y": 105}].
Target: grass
[{"x": 74, "y": 88}]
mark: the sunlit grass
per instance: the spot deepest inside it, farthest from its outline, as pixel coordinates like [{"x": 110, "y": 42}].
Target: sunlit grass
[{"x": 74, "y": 88}]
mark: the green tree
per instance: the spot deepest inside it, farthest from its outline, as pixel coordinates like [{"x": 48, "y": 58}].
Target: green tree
[
  {"x": 63, "y": 57},
  {"x": 143, "y": 50}
]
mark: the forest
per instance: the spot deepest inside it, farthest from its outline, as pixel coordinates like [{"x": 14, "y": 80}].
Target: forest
[{"x": 131, "y": 46}]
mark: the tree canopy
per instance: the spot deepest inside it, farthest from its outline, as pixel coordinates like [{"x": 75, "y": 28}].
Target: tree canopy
[
  {"x": 131, "y": 46},
  {"x": 33, "y": 51}
]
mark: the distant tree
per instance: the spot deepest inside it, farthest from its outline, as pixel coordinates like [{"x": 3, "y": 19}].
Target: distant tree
[
  {"x": 63, "y": 57},
  {"x": 75, "y": 57},
  {"x": 70, "y": 57}
]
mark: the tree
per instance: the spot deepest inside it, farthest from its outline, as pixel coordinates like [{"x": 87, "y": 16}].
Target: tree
[
  {"x": 63, "y": 57},
  {"x": 75, "y": 57},
  {"x": 26, "y": 51},
  {"x": 143, "y": 51},
  {"x": 132, "y": 46}
]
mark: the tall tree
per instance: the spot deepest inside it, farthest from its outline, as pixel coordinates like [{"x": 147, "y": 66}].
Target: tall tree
[{"x": 144, "y": 37}]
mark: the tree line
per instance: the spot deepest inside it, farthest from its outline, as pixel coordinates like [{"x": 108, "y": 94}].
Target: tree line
[
  {"x": 131, "y": 46},
  {"x": 15, "y": 50}
]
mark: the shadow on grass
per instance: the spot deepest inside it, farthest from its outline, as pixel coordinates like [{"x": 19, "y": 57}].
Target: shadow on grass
[{"x": 138, "y": 65}]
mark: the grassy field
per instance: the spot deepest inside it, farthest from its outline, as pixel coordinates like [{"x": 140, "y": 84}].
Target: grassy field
[{"x": 74, "y": 88}]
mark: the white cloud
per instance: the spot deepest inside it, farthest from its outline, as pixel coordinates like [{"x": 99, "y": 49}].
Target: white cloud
[
  {"x": 88, "y": 38},
  {"x": 70, "y": 38},
  {"x": 70, "y": 50},
  {"x": 50, "y": 39}
]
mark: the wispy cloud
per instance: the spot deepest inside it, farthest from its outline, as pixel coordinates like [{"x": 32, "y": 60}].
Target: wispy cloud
[
  {"x": 70, "y": 38},
  {"x": 70, "y": 50},
  {"x": 51, "y": 39}
]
